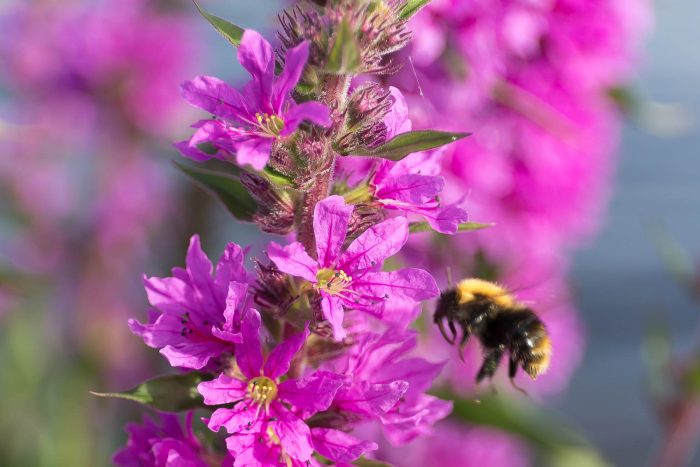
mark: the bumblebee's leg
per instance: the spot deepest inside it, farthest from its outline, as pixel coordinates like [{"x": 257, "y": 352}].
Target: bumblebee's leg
[
  {"x": 491, "y": 360},
  {"x": 443, "y": 331},
  {"x": 463, "y": 343},
  {"x": 512, "y": 370}
]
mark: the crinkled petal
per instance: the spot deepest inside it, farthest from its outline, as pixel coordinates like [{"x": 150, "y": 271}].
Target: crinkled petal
[
  {"x": 311, "y": 394},
  {"x": 242, "y": 418},
  {"x": 249, "y": 449},
  {"x": 248, "y": 355},
  {"x": 406, "y": 422},
  {"x": 421, "y": 163},
  {"x": 331, "y": 219},
  {"x": 222, "y": 390},
  {"x": 375, "y": 244},
  {"x": 397, "y": 120},
  {"x": 213, "y": 132},
  {"x": 231, "y": 267},
  {"x": 294, "y": 63},
  {"x": 256, "y": 56},
  {"x": 311, "y": 111},
  {"x": 447, "y": 219},
  {"x": 333, "y": 311},
  {"x": 294, "y": 434},
  {"x": 254, "y": 151},
  {"x": 236, "y": 299},
  {"x": 339, "y": 446},
  {"x": 277, "y": 363},
  {"x": 412, "y": 283},
  {"x": 199, "y": 269},
  {"x": 293, "y": 259},
  {"x": 171, "y": 452},
  {"x": 419, "y": 373},
  {"x": 411, "y": 189},
  {"x": 216, "y": 97},
  {"x": 370, "y": 399}
]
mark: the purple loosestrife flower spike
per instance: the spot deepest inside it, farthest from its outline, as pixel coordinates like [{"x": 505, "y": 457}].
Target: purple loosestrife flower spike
[
  {"x": 195, "y": 316},
  {"x": 352, "y": 279},
  {"x": 265, "y": 407},
  {"x": 248, "y": 123}
]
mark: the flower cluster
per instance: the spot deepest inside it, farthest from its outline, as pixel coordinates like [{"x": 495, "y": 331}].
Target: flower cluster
[{"x": 294, "y": 362}]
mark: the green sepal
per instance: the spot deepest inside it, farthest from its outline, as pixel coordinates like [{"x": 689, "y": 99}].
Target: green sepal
[
  {"x": 415, "y": 227},
  {"x": 407, "y": 143},
  {"x": 172, "y": 393},
  {"x": 344, "y": 58},
  {"x": 230, "y": 31},
  {"x": 227, "y": 188},
  {"x": 411, "y": 7}
]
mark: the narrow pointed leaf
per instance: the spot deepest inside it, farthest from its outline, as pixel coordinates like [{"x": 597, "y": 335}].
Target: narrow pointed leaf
[
  {"x": 173, "y": 393},
  {"x": 227, "y": 188},
  {"x": 344, "y": 58},
  {"x": 407, "y": 143},
  {"x": 364, "y": 462},
  {"x": 230, "y": 31},
  {"x": 415, "y": 227},
  {"x": 411, "y": 7}
]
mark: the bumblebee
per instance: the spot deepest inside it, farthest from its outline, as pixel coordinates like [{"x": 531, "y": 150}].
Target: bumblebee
[{"x": 489, "y": 312}]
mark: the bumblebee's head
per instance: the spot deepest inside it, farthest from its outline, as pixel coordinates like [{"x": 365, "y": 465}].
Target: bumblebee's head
[{"x": 473, "y": 289}]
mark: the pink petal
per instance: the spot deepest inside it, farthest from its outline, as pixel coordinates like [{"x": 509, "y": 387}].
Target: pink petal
[
  {"x": 415, "y": 284},
  {"x": 313, "y": 111},
  {"x": 311, "y": 394},
  {"x": 239, "y": 419},
  {"x": 331, "y": 218},
  {"x": 447, "y": 219},
  {"x": 375, "y": 244},
  {"x": 254, "y": 151},
  {"x": 406, "y": 422},
  {"x": 294, "y": 63},
  {"x": 277, "y": 363},
  {"x": 222, "y": 390},
  {"x": 339, "y": 446},
  {"x": 256, "y": 56},
  {"x": 371, "y": 399},
  {"x": 419, "y": 373},
  {"x": 333, "y": 312},
  {"x": 294, "y": 434},
  {"x": 251, "y": 449},
  {"x": 397, "y": 120},
  {"x": 411, "y": 188},
  {"x": 235, "y": 301},
  {"x": 248, "y": 355},
  {"x": 293, "y": 259},
  {"x": 214, "y": 96}
]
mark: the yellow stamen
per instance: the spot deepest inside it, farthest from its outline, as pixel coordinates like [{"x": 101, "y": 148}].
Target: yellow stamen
[
  {"x": 262, "y": 390},
  {"x": 332, "y": 281}
]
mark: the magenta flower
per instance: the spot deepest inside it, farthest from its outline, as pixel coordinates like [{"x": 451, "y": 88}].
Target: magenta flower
[
  {"x": 352, "y": 279},
  {"x": 195, "y": 315},
  {"x": 382, "y": 384},
  {"x": 413, "y": 186},
  {"x": 160, "y": 445},
  {"x": 268, "y": 411},
  {"x": 248, "y": 123}
]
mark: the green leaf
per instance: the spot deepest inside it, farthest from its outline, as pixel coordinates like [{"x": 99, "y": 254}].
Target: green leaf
[
  {"x": 411, "y": 7},
  {"x": 415, "y": 227},
  {"x": 555, "y": 443},
  {"x": 407, "y": 143},
  {"x": 364, "y": 462},
  {"x": 230, "y": 31},
  {"x": 344, "y": 58},
  {"x": 227, "y": 188},
  {"x": 173, "y": 393}
]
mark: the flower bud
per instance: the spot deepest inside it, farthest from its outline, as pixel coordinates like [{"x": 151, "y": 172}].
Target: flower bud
[{"x": 275, "y": 208}]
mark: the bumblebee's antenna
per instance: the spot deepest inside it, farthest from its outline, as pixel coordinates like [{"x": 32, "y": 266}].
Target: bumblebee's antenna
[{"x": 448, "y": 270}]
